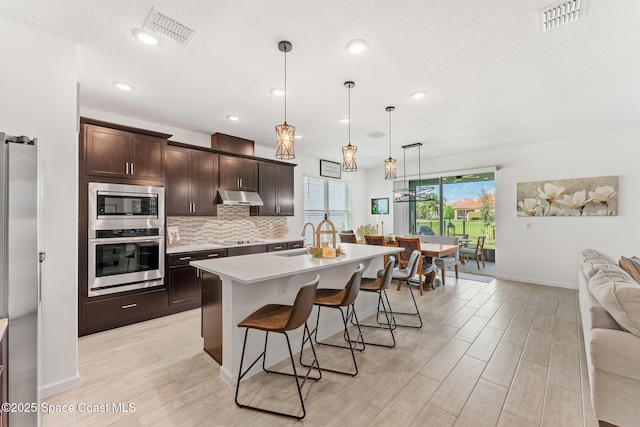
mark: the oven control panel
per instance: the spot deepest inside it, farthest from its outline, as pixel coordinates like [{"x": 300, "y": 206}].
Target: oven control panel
[{"x": 127, "y": 232}]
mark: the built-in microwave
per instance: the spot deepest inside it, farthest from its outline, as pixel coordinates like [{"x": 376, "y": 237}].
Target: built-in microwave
[{"x": 114, "y": 206}]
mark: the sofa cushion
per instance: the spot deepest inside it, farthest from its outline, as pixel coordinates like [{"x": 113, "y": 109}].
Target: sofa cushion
[
  {"x": 630, "y": 267},
  {"x": 592, "y": 266},
  {"x": 589, "y": 254},
  {"x": 619, "y": 294}
]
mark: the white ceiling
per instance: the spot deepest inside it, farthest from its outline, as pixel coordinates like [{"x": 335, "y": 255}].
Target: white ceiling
[{"x": 492, "y": 78}]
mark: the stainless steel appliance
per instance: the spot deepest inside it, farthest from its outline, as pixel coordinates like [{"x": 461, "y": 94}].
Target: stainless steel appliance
[
  {"x": 126, "y": 237},
  {"x": 19, "y": 271}
]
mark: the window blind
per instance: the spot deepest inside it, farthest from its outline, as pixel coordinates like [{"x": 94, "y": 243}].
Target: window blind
[{"x": 323, "y": 196}]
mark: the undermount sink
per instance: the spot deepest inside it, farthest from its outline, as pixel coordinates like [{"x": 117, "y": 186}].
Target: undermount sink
[{"x": 292, "y": 253}]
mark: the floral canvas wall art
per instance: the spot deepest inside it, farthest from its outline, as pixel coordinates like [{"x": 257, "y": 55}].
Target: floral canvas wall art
[{"x": 596, "y": 196}]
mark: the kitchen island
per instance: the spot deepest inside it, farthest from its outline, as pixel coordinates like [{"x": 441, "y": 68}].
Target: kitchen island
[{"x": 235, "y": 287}]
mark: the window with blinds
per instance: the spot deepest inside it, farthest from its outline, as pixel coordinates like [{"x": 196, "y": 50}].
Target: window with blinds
[{"x": 323, "y": 196}]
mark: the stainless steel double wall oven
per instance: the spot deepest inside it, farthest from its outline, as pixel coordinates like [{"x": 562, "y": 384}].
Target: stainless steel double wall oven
[{"x": 126, "y": 237}]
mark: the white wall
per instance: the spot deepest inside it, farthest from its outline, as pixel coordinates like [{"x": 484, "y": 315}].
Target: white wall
[
  {"x": 548, "y": 252},
  {"x": 38, "y": 87}
]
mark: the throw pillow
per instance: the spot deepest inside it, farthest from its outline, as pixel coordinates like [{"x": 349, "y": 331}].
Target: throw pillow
[
  {"x": 630, "y": 267},
  {"x": 620, "y": 296},
  {"x": 589, "y": 254},
  {"x": 592, "y": 266}
]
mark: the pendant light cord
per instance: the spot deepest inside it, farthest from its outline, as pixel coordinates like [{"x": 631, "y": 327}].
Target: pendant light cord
[
  {"x": 349, "y": 115},
  {"x": 285, "y": 87},
  {"x": 390, "y": 133}
]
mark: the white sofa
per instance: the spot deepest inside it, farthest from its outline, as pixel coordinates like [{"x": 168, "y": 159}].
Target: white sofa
[{"x": 612, "y": 338}]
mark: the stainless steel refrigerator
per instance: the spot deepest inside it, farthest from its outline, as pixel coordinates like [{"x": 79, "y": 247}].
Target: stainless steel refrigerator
[{"x": 19, "y": 271}]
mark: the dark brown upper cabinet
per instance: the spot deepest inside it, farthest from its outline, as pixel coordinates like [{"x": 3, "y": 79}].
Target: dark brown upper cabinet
[
  {"x": 238, "y": 173},
  {"x": 191, "y": 182},
  {"x": 116, "y": 153},
  {"x": 275, "y": 185},
  {"x": 232, "y": 144}
]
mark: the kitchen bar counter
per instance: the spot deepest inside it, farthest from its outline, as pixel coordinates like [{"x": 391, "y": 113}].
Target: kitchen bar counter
[{"x": 251, "y": 281}]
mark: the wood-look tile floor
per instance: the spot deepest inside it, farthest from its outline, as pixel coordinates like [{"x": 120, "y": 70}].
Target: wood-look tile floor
[{"x": 489, "y": 354}]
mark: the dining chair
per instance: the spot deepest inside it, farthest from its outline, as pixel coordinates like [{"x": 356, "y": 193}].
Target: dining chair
[
  {"x": 411, "y": 244},
  {"x": 281, "y": 318},
  {"x": 377, "y": 241},
  {"x": 348, "y": 238},
  {"x": 475, "y": 251}
]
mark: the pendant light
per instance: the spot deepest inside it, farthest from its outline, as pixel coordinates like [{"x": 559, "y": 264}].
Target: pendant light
[
  {"x": 349, "y": 151},
  {"x": 284, "y": 132},
  {"x": 390, "y": 164},
  {"x": 418, "y": 193}
]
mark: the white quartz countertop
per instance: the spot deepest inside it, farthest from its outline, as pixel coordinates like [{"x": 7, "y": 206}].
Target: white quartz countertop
[
  {"x": 271, "y": 265},
  {"x": 209, "y": 246}
]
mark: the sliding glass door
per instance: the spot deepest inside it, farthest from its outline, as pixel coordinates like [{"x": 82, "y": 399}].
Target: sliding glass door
[{"x": 461, "y": 206}]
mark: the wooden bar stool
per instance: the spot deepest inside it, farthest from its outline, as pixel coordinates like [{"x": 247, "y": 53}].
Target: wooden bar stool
[
  {"x": 339, "y": 299},
  {"x": 281, "y": 319},
  {"x": 404, "y": 275},
  {"x": 380, "y": 285}
]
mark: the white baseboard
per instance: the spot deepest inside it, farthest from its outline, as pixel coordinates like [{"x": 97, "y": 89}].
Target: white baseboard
[
  {"x": 539, "y": 282},
  {"x": 60, "y": 386}
]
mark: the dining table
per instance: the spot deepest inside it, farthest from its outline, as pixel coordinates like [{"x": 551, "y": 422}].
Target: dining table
[{"x": 435, "y": 250}]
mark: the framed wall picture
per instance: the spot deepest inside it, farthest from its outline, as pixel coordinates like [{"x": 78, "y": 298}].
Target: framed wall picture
[
  {"x": 330, "y": 169},
  {"x": 380, "y": 206}
]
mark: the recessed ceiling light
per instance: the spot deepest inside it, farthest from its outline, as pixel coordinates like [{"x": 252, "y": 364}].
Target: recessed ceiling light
[
  {"x": 233, "y": 118},
  {"x": 344, "y": 120},
  {"x": 419, "y": 95},
  {"x": 298, "y": 136},
  {"x": 145, "y": 37},
  {"x": 357, "y": 46},
  {"x": 277, "y": 91},
  {"x": 123, "y": 86}
]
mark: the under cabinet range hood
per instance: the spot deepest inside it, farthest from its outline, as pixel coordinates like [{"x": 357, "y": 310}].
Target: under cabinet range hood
[{"x": 238, "y": 198}]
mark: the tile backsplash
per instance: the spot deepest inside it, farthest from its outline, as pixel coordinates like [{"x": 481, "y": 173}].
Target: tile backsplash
[{"x": 232, "y": 223}]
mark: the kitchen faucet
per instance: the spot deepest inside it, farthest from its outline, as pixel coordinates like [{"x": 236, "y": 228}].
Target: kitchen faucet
[{"x": 313, "y": 230}]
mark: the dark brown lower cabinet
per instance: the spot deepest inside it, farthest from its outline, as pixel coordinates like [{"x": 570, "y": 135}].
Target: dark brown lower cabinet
[
  {"x": 183, "y": 287},
  {"x": 212, "y": 314},
  {"x": 182, "y": 279},
  {"x": 123, "y": 310}
]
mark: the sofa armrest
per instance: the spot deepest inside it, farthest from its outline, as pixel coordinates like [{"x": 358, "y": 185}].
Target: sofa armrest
[{"x": 615, "y": 352}]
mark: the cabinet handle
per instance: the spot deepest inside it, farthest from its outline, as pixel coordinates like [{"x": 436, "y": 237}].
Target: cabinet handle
[
  {"x": 277, "y": 248},
  {"x": 213, "y": 255},
  {"x": 130, "y": 305},
  {"x": 126, "y": 166},
  {"x": 297, "y": 245},
  {"x": 194, "y": 207},
  {"x": 184, "y": 258},
  {"x": 197, "y": 272},
  {"x": 131, "y": 168}
]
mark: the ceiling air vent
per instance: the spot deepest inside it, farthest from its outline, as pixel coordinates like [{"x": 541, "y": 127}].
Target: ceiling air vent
[
  {"x": 561, "y": 14},
  {"x": 377, "y": 134},
  {"x": 169, "y": 28}
]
